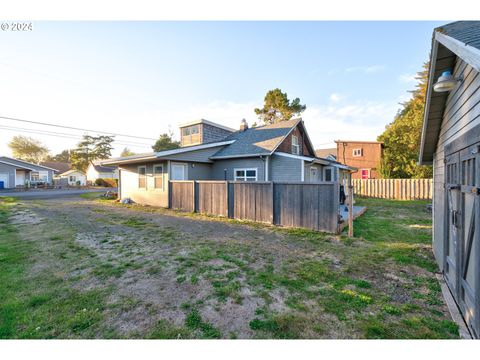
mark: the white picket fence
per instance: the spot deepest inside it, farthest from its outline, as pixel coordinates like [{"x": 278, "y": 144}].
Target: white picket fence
[{"x": 399, "y": 189}]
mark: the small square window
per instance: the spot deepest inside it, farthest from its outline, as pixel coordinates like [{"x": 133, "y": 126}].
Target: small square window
[
  {"x": 357, "y": 152},
  {"x": 245, "y": 175}
]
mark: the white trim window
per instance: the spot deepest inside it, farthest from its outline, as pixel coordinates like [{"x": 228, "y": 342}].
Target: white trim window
[
  {"x": 142, "y": 177},
  {"x": 158, "y": 176},
  {"x": 245, "y": 174},
  {"x": 295, "y": 145},
  {"x": 357, "y": 152},
  {"x": 328, "y": 173},
  {"x": 73, "y": 178}
]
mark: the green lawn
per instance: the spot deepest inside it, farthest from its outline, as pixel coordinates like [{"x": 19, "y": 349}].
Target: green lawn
[{"x": 226, "y": 280}]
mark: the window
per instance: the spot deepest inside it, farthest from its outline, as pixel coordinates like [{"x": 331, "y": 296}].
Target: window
[
  {"x": 34, "y": 176},
  {"x": 73, "y": 178},
  {"x": 158, "y": 176},
  {"x": 191, "y": 130},
  {"x": 365, "y": 173},
  {"x": 142, "y": 177},
  {"x": 328, "y": 173},
  {"x": 245, "y": 174},
  {"x": 295, "y": 146},
  {"x": 357, "y": 152}
]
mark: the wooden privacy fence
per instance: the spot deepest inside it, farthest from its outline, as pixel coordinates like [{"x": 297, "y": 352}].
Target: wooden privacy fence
[
  {"x": 312, "y": 206},
  {"x": 399, "y": 189}
]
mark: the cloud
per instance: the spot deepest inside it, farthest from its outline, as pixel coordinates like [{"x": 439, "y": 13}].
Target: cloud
[
  {"x": 335, "y": 97},
  {"x": 359, "y": 120},
  {"x": 407, "y": 78},
  {"x": 366, "y": 69}
]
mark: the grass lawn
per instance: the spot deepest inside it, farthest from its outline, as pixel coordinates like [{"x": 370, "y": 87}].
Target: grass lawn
[{"x": 98, "y": 269}]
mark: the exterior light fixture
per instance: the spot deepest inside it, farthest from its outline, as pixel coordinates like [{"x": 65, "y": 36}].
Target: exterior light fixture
[{"x": 446, "y": 82}]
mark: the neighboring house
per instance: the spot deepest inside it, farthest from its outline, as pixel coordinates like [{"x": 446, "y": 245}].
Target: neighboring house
[
  {"x": 17, "y": 173},
  {"x": 329, "y": 154},
  {"x": 278, "y": 152},
  {"x": 98, "y": 171},
  {"x": 59, "y": 166},
  {"x": 366, "y": 156},
  {"x": 73, "y": 178},
  {"x": 451, "y": 142}
]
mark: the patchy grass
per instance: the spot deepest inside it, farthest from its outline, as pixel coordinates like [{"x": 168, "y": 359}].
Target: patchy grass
[{"x": 102, "y": 269}]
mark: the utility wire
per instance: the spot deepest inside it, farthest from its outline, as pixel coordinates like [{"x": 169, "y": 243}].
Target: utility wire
[
  {"x": 67, "y": 136},
  {"x": 74, "y": 128},
  {"x": 72, "y": 136}
]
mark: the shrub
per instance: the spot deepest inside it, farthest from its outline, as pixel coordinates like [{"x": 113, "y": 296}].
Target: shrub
[{"x": 106, "y": 182}]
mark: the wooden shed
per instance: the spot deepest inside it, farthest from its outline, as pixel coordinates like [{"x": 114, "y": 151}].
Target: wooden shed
[{"x": 451, "y": 142}]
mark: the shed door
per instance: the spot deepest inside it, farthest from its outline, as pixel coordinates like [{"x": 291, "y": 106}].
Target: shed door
[
  {"x": 462, "y": 247},
  {"x": 452, "y": 225},
  {"x": 468, "y": 244}
]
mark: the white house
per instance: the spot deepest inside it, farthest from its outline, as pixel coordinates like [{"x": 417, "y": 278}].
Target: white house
[
  {"x": 97, "y": 171},
  {"x": 74, "y": 177}
]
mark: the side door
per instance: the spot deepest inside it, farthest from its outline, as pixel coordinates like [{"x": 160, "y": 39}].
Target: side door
[
  {"x": 179, "y": 171},
  {"x": 452, "y": 223},
  {"x": 468, "y": 246}
]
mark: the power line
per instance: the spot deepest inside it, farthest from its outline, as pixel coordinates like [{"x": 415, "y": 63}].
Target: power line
[
  {"x": 72, "y": 136},
  {"x": 74, "y": 128},
  {"x": 66, "y": 136}
]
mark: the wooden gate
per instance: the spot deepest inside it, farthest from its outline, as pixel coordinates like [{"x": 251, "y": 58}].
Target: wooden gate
[{"x": 462, "y": 251}]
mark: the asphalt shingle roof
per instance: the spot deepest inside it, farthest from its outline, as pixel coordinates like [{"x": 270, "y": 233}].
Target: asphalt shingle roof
[
  {"x": 468, "y": 32},
  {"x": 260, "y": 140}
]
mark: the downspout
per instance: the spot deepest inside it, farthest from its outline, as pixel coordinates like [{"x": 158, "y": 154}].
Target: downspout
[{"x": 267, "y": 161}]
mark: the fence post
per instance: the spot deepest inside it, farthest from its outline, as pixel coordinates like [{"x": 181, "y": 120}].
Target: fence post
[
  {"x": 350, "y": 211},
  {"x": 194, "y": 195},
  {"x": 272, "y": 215},
  {"x": 169, "y": 194}
]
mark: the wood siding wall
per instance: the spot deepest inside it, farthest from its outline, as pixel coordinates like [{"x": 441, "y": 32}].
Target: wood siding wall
[
  {"x": 312, "y": 206},
  {"x": 461, "y": 113},
  {"x": 398, "y": 189}
]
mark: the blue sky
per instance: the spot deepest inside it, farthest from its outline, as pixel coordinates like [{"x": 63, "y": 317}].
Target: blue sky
[{"x": 142, "y": 78}]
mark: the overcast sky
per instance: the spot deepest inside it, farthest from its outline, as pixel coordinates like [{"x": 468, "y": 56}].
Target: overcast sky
[{"x": 142, "y": 78}]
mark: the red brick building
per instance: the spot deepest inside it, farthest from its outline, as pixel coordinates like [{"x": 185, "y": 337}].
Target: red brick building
[{"x": 366, "y": 156}]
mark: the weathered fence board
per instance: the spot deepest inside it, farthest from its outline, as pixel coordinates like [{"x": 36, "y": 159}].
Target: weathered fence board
[
  {"x": 399, "y": 189},
  {"x": 312, "y": 206},
  {"x": 252, "y": 201},
  {"x": 212, "y": 197},
  {"x": 182, "y": 195},
  {"x": 308, "y": 205}
]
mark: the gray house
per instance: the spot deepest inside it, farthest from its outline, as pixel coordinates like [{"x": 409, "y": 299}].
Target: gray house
[
  {"x": 16, "y": 173},
  {"x": 280, "y": 152},
  {"x": 451, "y": 142}
]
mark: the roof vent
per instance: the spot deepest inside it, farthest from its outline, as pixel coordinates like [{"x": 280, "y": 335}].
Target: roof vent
[
  {"x": 243, "y": 125},
  {"x": 446, "y": 82}
]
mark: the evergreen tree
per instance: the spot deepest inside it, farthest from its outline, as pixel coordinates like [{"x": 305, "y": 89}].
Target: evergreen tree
[
  {"x": 91, "y": 148},
  {"x": 165, "y": 142},
  {"x": 278, "y": 107},
  {"x": 402, "y": 136}
]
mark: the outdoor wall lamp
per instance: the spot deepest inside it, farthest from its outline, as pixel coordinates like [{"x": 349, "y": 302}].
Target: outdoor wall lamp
[{"x": 446, "y": 82}]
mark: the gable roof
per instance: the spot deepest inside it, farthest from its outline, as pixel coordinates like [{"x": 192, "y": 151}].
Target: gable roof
[
  {"x": 59, "y": 166},
  {"x": 98, "y": 166},
  {"x": 458, "y": 39},
  {"x": 24, "y": 164},
  {"x": 261, "y": 140},
  {"x": 71, "y": 172},
  {"x": 325, "y": 153}
]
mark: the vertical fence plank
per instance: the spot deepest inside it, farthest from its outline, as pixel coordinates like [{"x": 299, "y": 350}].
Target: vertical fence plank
[{"x": 399, "y": 189}]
